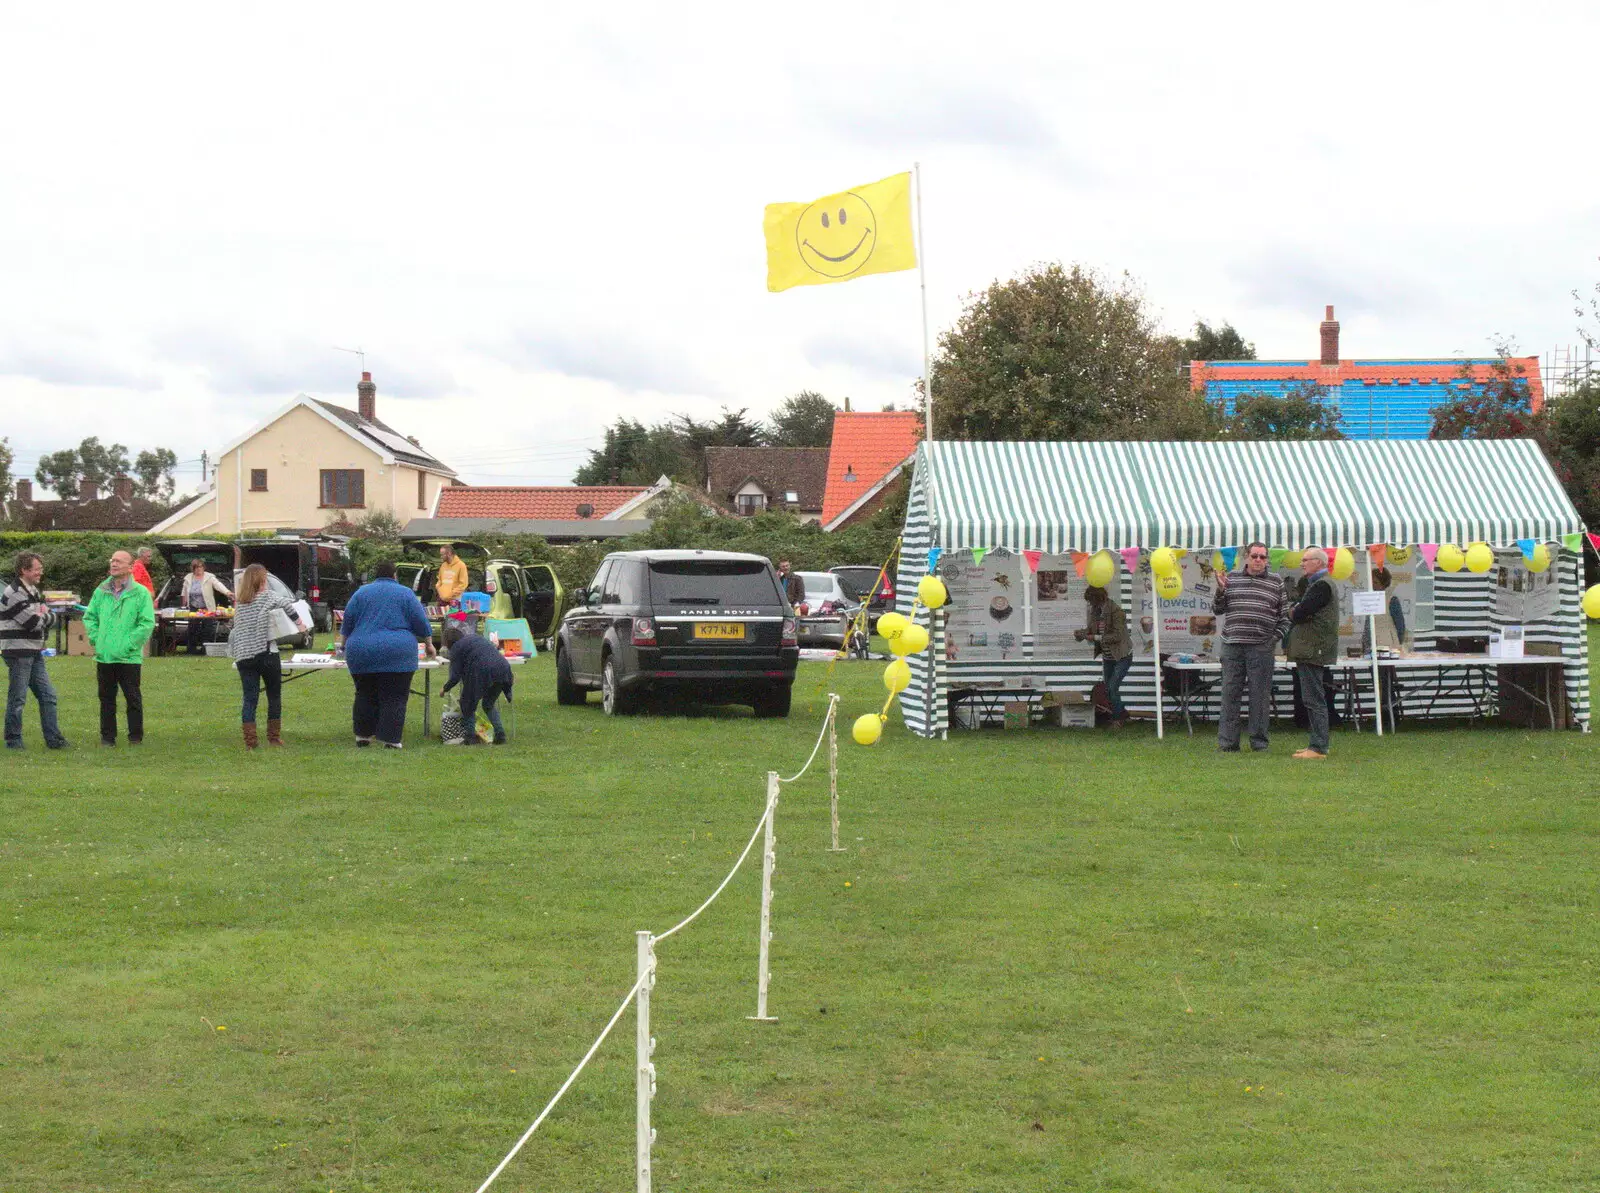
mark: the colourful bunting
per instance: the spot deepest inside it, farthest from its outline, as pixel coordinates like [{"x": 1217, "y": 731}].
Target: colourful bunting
[
  {"x": 1080, "y": 563},
  {"x": 1130, "y": 559},
  {"x": 1230, "y": 556},
  {"x": 1526, "y": 547},
  {"x": 1594, "y": 541},
  {"x": 1572, "y": 542},
  {"x": 1429, "y": 552},
  {"x": 977, "y": 555},
  {"x": 933, "y": 557},
  {"x": 1276, "y": 555},
  {"x": 1379, "y": 553},
  {"x": 1033, "y": 558}
]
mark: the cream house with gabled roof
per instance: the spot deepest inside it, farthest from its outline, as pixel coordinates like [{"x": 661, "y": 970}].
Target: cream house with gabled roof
[{"x": 307, "y": 465}]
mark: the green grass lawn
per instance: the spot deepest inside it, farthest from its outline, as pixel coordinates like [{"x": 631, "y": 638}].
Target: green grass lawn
[{"x": 1048, "y": 960}]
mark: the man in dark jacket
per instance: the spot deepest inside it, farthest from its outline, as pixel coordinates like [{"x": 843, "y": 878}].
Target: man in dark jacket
[
  {"x": 484, "y": 675},
  {"x": 794, "y": 588},
  {"x": 1314, "y": 645},
  {"x": 24, "y": 619}
]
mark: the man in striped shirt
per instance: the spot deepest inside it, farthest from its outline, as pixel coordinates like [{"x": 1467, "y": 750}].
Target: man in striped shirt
[{"x": 1255, "y": 619}]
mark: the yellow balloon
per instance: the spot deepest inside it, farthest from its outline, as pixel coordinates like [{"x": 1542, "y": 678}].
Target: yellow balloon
[
  {"x": 931, "y": 592},
  {"x": 1479, "y": 557},
  {"x": 1163, "y": 562},
  {"x": 1291, "y": 560},
  {"x": 897, "y": 676},
  {"x": 1541, "y": 558},
  {"x": 867, "y": 729},
  {"x": 1169, "y": 587},
  {"x": 891, "y": 625},
  {"x": 1591, "y": 603},
  {"x": 1101, "y": 569},
  {"x": 911, "y": 640},
  {"x": 1449, "y": 558},
  {"x": 1344, "y": 564},
  {"x": 1398, "y": 555}
]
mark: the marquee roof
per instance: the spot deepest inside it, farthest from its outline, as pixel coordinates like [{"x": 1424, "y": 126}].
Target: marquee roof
[{"x": 1089, "y": 496}]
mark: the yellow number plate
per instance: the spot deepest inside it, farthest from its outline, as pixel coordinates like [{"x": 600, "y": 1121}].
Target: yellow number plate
[{"x": 720, "y": 629}]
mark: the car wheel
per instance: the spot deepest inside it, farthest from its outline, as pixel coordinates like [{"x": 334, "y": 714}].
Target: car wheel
[
  {"x": 567, "y": 691},
  {"x": 774, "y": 702},
  {"x": 613, "y": 698}
]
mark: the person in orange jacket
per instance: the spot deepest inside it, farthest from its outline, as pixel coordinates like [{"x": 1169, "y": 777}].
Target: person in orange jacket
[{"x": 141, "y": 570}]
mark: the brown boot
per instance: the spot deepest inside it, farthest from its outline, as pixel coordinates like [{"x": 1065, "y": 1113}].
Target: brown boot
[
  {"x": 274, "y": 732},
  {"x": 250, "y": 741}
]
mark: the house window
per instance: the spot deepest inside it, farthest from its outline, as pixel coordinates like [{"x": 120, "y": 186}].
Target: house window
[
  {"x": 344, "y": 488},
  {"x": 258, "y": 480},
  {"x": 751, "y": 503},
  {"x": 422, "y": 490}
]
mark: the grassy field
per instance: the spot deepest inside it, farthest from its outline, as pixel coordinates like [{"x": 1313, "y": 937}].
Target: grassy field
[{"x": 1048, "y": 960}]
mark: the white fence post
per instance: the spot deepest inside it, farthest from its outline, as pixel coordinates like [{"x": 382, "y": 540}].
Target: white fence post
[
  {"x": 768, "y": 859},
  {"x": 833, "y": 769},
  {"x": 644, "y": 1048}
]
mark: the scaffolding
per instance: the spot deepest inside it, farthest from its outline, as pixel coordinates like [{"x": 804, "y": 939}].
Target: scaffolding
[{"x": 1566, "y": 369}]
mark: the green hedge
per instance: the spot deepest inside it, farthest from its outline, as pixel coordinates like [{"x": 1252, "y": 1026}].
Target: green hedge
[{"x": 75, "y": 560}]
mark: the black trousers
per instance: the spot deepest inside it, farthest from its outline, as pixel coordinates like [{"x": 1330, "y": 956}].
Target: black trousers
[
  {"x": 125, "y": 676},
  {"x": 199, "y": 631},
  {"x": 264, "y": 670},
  {"x": 380, "y": 705}
]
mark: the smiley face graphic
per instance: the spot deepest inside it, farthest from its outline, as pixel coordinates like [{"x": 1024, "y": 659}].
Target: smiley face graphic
[{"x": 835, "y": 236}]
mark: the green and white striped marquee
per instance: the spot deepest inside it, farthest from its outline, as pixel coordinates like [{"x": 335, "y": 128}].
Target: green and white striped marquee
[{"x": 1063, "y": 497}]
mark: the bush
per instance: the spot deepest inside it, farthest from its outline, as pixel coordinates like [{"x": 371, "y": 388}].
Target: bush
[{"x": 76, "y": 560}]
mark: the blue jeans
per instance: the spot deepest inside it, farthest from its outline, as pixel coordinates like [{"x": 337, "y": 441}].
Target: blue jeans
[
  {"x": 1115, "y": 671},
  {"x": 469, "y": 712},
  {"x": 28, "y": 674}
]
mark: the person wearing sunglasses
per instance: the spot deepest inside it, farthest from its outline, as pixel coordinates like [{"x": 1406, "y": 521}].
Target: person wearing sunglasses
[{"x": 1255, "y": 618}]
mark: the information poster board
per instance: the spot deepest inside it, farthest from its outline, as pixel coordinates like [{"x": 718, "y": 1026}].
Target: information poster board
[
  {"x": 1520, "y": 597},
  {"x": 1188, "y": 624},
  {"x": 987, "y": 606},
  {"x": 1059, "y": 610}
]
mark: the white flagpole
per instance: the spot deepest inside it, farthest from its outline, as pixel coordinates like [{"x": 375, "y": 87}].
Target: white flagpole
[{"x": 922, "y": 279}]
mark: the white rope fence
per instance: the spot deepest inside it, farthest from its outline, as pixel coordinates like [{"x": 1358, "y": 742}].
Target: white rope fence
[{"x": 645, "y": 1044}]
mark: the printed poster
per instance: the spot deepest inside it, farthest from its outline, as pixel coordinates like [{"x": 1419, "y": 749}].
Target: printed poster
[
  {"x": 1520, "y": 597},
  {"x": 1188, "y": 625},
  {"x": 987, "y": 607},
  {"x": 1059, "y": 610}
]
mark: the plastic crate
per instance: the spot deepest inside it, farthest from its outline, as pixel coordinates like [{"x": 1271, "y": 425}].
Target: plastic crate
[{"x": 216, "y": 650}]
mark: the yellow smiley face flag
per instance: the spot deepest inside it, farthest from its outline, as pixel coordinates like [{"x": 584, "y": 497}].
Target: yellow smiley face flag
[{"x": 840, "y": 237}]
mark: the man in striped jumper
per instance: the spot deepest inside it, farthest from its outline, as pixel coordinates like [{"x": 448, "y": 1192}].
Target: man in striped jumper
[{"x": 1255, "y": 619}]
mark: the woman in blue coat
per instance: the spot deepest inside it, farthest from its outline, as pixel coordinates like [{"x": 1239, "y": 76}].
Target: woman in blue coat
[{"x": 382, "y": 625}]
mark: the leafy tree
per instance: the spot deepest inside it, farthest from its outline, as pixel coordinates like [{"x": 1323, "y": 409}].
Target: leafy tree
[
  {"x": 1499, "y": 406},
  {"x": 60, "y": 471},
  {"x": 634, "y": 454},
  {"x": 1573, "y": 424},
  {"x": 1217, "y": 343},
  {"x": 1060, "y": 354},
  {"x": 802, "y": 420},
  {"x": 152, "y": 472},
  {"x": 1304, "y": 412},
  {"x": 7, "y": 458},
  {"x": 101, "y": 462}
]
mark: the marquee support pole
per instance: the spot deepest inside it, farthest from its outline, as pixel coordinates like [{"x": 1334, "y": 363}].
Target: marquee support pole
[
  {"x": 1155, "y": 606},
  {"x": 1372, "y": 640}
]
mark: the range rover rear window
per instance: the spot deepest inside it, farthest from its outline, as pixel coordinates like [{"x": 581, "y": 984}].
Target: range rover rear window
[{"x": 711, "y": 582}]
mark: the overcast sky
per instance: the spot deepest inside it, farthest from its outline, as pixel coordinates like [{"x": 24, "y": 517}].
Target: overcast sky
[{"x": 534, "y": 222}]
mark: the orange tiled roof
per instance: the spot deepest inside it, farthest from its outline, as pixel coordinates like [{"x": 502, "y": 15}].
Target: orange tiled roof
[
  {"x": 866, "y": 445},
  {"x": 557, "y": 502}
]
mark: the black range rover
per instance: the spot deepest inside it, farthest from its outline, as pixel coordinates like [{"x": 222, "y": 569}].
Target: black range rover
[{"x": 711, "y": 626}]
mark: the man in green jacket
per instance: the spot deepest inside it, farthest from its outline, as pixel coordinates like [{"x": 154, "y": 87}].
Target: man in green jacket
[
  {"x": 1314, "y": 645},
  {"x": 118, "y": 622}
]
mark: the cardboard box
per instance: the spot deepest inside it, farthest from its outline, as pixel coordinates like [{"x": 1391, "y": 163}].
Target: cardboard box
[
  {"x": 77, "y": 642},
  {"x": 1018, "y": 714},
  {"x": 1070, "y": 716}
]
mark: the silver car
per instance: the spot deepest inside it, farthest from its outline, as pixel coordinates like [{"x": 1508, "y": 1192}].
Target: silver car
[{"x": 829, "y": 610}]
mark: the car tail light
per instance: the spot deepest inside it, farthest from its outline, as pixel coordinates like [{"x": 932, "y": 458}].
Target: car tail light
[
  {"x": 791, "y": 632},
  {"x": 644, "y": 631},
  {"x": 490, "y": 587}
]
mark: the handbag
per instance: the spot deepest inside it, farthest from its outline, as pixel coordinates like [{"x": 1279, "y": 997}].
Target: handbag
[{"x": 452, "y": 728}]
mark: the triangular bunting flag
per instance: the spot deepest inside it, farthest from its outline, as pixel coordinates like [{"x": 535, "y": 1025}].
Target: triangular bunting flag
[
  {"x": 1033, "y": 559},
  {"x": 1130, "y": 559},
  {"x": 977, "y": 555},
  {"x": 1572, "y": 542},
  {"x": 1379, "y": 552},
  {"x": 1429, "y": 551},
  {"x": 1526, "y": 547},
  {"x": 1230, "y": 556},
  {"x": 1594, "y": 541},
  {"x": 1080, "y": 563},
  {"x": 933, "y": 558}
]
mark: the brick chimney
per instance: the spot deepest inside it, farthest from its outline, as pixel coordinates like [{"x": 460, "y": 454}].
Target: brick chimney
[
  {"x": 122, "y": 486},
  {"x": 88, "y": 490},
  {"x": 1330, "y": 339},
  {"x": 367, "y": 397},
  {"x": 25, "y": 492}
]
